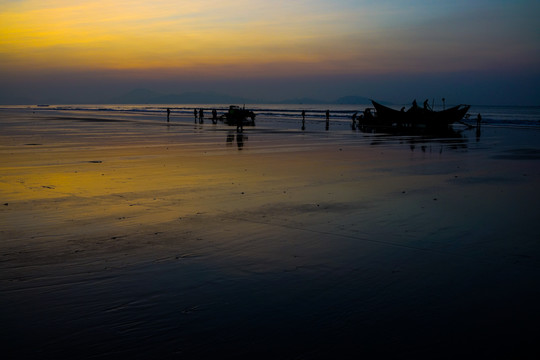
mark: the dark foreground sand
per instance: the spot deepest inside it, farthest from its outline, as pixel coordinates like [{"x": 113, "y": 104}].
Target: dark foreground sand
[{"x": 139, "y": 240}]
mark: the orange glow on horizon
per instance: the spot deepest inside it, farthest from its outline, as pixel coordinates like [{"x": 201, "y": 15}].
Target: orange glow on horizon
[{"x": 214, "y": 37}]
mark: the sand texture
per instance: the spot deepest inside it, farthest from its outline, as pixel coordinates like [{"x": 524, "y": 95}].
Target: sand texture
[{"x": 127, "y": 237}]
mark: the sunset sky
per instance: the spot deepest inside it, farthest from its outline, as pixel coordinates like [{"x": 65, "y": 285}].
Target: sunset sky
[{"x": 475, "y": 51}]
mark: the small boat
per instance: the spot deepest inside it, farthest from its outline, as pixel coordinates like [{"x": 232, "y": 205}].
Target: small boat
[{"x": 417, "y": 116}]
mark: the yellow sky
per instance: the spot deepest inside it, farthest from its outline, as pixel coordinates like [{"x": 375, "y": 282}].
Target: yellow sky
[
  {"x": 266, "y": 38},
  {"x": 163, "y": 34}
]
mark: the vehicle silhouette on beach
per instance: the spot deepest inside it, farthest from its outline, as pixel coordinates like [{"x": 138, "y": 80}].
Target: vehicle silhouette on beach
[{"x": 239, "y": 117}]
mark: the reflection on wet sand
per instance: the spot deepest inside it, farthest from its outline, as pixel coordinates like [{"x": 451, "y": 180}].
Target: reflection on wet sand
[
  {"x": 136, "y": 242},
  {"x": 240, "y": 139},
  {"x": 447, "y": 137}
]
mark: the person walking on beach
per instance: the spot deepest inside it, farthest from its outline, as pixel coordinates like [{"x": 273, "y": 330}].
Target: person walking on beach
[
  {"x": 168, "y": 114},
  {"x": 303, "y": 120},
  {"x": 478, "y": 130},
  {"x": 354, "y": 120},
  {"x": 214, "y": 116},
  {"x": 327, "y": 119},
  {"x": 195, "y": 114},
  {"x": 239, "y": 124},
  {"x": 201, "y": 116}
]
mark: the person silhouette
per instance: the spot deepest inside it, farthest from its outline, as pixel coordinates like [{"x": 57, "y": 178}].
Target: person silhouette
[
  {"x": 478, "y": 130},
  {"x": 201, "y": 116},
  {"x": 360, "y": 121},
  {"x": 239, "y": 124},
  {"x": 195, "y": 114},
  {"x": 303, "y": 120},
  {"x": 168, "y": 114},
  {"x": 214, "y": 116},
  {"x": 327, "y": 119}
]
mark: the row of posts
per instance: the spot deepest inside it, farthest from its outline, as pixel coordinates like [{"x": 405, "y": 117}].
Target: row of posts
[
  {"x": 200, "y": 114},
  {"x": 354, "y": 117}
]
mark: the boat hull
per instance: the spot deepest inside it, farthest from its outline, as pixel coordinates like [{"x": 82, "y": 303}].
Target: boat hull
[{"x": 417, "y": 116}]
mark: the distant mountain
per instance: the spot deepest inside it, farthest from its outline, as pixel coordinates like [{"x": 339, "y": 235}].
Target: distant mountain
[
  {"x": 352, "y": 100},
  {"x": 137, "y": 96},
  {"x": 302, "y": 101},
  {"x": 8, "y": 99},
  {"x": 345, "y": 100},
  {"x": 144, "y": 96}
]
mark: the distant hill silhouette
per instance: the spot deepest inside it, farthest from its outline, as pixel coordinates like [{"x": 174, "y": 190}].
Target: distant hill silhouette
[
  {"x": 345, "y": 100},
  {"x": 352, "y": 100},
  {"x": 145, "y": 96},
  {"x": 302, "y": 101},
  {"x": 137, "y": 96}
]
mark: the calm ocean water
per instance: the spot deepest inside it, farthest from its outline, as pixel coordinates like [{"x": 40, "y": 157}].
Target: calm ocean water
[{"x": 285, "y": 115}]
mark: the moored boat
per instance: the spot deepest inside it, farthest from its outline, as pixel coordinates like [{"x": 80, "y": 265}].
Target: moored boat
[{"x": 417, "y": 116}]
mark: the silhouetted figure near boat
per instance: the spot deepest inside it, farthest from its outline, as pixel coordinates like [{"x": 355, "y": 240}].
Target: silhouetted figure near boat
[
  {"x": 478, "y": 122},
  {"x": 368, "y": 116},
  {"x": 354, "y": 120},
  {"x": 168, "y": 114},
  {"x": 426, "y": 105},
  {"x": 201, "y": 116},
  {"x": 303, "y": 120},
  {"x": 239, "y": 124},
  {"x": 214, "y": 116},
  {"x": 327, "y": 119},
  {"x": 414, "y": 104},
  {"x": 195, "y": 114}
]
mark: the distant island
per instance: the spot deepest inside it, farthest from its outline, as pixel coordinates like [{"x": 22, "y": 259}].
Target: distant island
[{"x": 144, "y": 96}]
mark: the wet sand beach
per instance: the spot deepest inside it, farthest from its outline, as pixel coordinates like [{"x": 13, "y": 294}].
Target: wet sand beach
[{"x": 122, "y": 236}]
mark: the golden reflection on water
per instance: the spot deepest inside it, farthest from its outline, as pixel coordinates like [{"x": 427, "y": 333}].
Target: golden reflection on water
[
  {"x": 90, "y": 185},
  {"x": 166, "y": 182}
]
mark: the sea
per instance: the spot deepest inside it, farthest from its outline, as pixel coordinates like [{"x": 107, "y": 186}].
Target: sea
[{"x": 280, "y": 115}]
